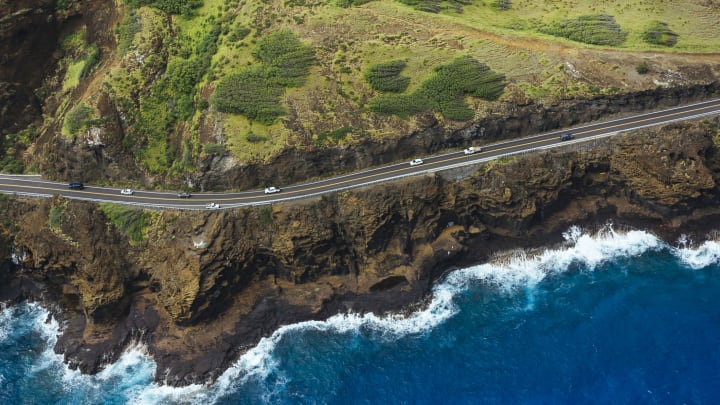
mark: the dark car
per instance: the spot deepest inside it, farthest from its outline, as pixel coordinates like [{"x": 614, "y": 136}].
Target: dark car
[
  {"x": 76, "y": 186},
  {"x": 566, "y": 137},
  {"x": 184, "y": 195}
]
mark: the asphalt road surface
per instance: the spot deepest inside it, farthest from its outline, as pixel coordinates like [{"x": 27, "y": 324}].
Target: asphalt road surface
[{"x": 34, "y": 186}]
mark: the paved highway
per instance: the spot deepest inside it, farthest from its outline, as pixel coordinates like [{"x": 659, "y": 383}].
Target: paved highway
[{"x": 34, "y": 186}]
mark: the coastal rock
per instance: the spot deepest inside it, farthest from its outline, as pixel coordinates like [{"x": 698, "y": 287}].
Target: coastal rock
[{"x": 202, "y": 287}]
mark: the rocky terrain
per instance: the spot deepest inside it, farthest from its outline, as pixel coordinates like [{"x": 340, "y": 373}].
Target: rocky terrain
[
  {"x": 203, "y": 287},
  {"x": 123, "y": 94}
]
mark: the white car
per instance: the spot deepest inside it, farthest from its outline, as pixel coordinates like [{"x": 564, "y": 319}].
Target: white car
[
  {"x": 127, "y": 191},
  {"x": 471, "y": 150},
  {"x": 271, "y": 190},
  {"x": 212, "y": 206},
  {"x": 416, "y": 162}
]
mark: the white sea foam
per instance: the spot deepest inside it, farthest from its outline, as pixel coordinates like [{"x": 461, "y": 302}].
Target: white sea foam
[
  {"x": 521, "y": 271},
  {"x": 580, "y": 249},
  {"x": 703, "y": 256}
]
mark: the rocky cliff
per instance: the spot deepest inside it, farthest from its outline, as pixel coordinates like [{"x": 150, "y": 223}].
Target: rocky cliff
[{"x": 200, "y": 287}]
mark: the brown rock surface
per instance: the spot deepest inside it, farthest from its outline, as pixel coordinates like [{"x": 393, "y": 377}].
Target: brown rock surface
[{"x": 202, "y": 287}]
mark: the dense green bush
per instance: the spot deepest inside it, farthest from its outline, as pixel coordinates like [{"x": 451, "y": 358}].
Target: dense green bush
[
  {"x": 129, "y": 26},
  {"x": 10, "y": 165},
  {"x": 130, "y": 221},
  {"x": 386, "y": 77},
  {"x": 254, "y": 93},
  {"x": 431, "y": 6},
  {"x": 335, "y": 136},
  {"x": 77, "y": 118},
  {"x": 255, "y": 138},
  {"x": 56, "y": 215},
  {"x": 658, "y": 33},
  {"x": 283, "y": 51},
  {"x": 184, "y": 7},
  {"x": 597, "y": 29},
  {"x": 350, "y": 3},
  {"x": 643, "y": 68},
  {"x": 445, "y": 91},
  {"x": 501, "y": 4},
  {"x": 213, "y": 149}
]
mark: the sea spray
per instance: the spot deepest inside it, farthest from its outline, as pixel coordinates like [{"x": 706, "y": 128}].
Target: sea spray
[{"x": 264, "y": 374}]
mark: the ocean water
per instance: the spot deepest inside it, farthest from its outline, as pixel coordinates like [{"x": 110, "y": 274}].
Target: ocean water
[{"x": 608, "y": 318}]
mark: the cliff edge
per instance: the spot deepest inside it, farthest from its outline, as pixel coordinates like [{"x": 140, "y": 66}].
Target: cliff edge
[{"x": 199, "y": 288}]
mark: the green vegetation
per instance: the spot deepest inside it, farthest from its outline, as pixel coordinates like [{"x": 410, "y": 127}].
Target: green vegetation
[
  {"x": 658, "y": 33},
  {"x": 501, "y": 4},
  {"x": 643, "y": 68},
  {"x": 13, "y": 144},
  {"x": 334, "y": 136},
  {"x": 184, "y": 7},
  {"x": 265, "y": 213},
  {"x": 289, "y": 59},
  {"x": 84, "y": 57},
  {"x": 78, "y": 119},
  {"x": 386, "y": 77},
  {"x": 130, "y": 221},
  {"x": 56, "y": 215},
  {"x": 430, "y": 6},
  {"x": 255, "y": 138},
  {"x": 213, "y": 149},
  {"x": 129, "y": 26},
  {"x": 255, "y": 92},
  {"x": 445, "y": 91},
  {"x": 596, "y": 29}
]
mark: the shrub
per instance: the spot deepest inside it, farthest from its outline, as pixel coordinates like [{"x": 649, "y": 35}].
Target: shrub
[
  {"x": 184, "y": 7},
  {"x": 213, "y": 149},
  {"x": 254, "y": 92},
  {"x": 10, "y": 165},
  {"x": 91, "y": 59},
  {"x": 386, "y": 77},
  {"x": 597, "y": 29},
  {"x": 643, "y": 68},
  {"x": 55, "y": 216},
  {"x": 658, "y": 33},
  {"x": 336, "y": 135},
  {"x": 77, "y": 118},
  {"x": 129, "y": 26},
  {"x": 283, "y": 51},
  {"x": 501, "y": 4},
  {"x": 445, "y": 91},
  {"x": 255, "y": 138},
  {"x": 350, "y": 3},
  {"x": 130, "y": 221}
]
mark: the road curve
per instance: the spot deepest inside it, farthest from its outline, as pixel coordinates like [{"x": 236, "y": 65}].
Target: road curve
[{"x": 34, "y": 186}]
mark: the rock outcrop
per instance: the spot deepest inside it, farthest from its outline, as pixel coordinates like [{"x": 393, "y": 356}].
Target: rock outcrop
[{"x": 201, "y": 287}]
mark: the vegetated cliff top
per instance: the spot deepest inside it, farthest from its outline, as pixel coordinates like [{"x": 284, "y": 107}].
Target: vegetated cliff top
[{"x": 180, "y": 81}]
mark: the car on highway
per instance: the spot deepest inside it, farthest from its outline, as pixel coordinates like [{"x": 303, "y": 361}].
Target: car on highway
[
  {"x": 76, "y": 186},
  {"x": 567, "y": 137},
  {"x": 416, "y": 162},
  {"x": 212, "y": 206},
  {"x": 271, "y": 190},
  {"x": 184, "y": 194},
  {"x": 127, "y": 191},
  {"x": 471, "y": 150}
]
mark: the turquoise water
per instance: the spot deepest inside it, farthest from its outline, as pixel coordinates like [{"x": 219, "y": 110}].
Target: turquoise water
[{"x": 617, "y": 317}]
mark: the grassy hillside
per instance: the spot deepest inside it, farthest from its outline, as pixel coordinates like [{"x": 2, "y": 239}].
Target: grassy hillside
[{"x": 251, "y": 78}]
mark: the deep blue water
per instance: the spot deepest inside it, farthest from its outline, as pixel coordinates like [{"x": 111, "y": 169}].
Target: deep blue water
[{"x": 615, "y": 318}]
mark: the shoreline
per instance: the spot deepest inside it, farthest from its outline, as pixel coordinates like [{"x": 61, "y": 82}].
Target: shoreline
[{"x": 369, "y": 305}]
